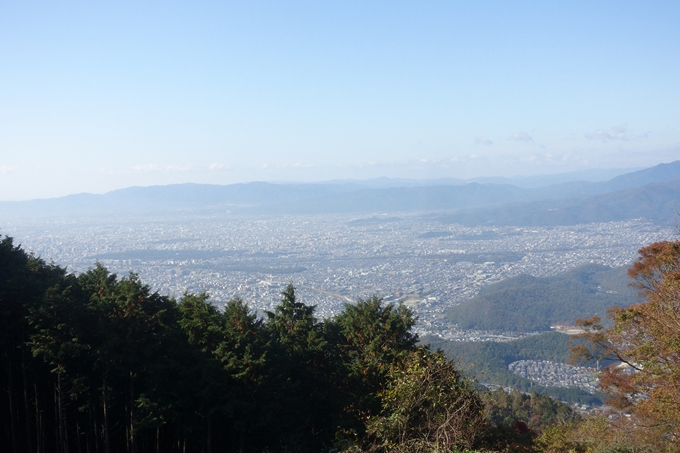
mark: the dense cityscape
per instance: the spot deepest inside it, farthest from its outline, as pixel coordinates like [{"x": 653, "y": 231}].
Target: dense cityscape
[{"x": 333, "y": 259}]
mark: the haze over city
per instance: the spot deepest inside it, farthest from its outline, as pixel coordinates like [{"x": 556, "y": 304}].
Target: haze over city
[
  {"x": 352, "y": 226},
  {"x": 97, "y": 97}
]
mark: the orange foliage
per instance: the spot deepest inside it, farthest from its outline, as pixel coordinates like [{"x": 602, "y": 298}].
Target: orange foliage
[{"x": 644, "y": 342}]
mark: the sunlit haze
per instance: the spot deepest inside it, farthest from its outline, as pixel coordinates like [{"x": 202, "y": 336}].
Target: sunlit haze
[{"x": 96, "y": 96}]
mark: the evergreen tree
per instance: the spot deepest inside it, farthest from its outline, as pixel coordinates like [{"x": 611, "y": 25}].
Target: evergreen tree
[
  {"x": 303, "y": 364},
  {"x": 374, "y": 336},
  {"x": 98, "y": 363}
]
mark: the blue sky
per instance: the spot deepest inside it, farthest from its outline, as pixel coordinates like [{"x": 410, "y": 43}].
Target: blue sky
[{"x": 96, "y": 96}]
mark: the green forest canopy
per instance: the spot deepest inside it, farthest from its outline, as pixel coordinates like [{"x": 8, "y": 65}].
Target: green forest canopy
[
  {"x": 100, "y": 363},
  {"x": 488, "y": 362},
  {"x": 530, "y": 304}
]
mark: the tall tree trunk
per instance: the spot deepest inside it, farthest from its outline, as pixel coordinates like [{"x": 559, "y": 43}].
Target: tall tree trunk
[
  {"x": 95, "y": 438},
  {"x": 88, "y": 433},
  {"x": 95, "y": 430},
  {"x": 132, "y": 413},
  {"x": 209, "y": 440},
  {"x": 80, "y": 448},
  {"x": 107, "y": 443},
  {"x": 63, "y": 437},
  {"x": 12, "y": 409},
  {"x": 29, "y": 443},
  {"x": 39, "y": 430},
  {"x": 57, "y": 439}
]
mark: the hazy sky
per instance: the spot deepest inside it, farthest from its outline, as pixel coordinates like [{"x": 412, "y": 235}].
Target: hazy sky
[{"x": 96, "y": 96}]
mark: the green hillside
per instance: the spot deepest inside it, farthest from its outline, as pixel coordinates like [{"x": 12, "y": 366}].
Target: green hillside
[
  {"x": 529, "y": 304},
  {"x": 488, "y": 362}
]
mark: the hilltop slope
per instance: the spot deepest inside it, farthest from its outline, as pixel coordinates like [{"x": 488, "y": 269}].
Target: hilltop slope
[{"x": 528, "y": 304}]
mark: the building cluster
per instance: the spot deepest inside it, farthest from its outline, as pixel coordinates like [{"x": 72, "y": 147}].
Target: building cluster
[
  {"x": 332, "y": 259},
  {"x": 554, "y": 374}
]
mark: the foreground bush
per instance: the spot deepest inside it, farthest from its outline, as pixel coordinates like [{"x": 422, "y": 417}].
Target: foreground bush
[{"x": 427, "y": 406}]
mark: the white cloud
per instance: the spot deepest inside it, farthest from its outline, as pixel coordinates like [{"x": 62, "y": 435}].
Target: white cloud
[
  {"x": 305, "y": 165},
  {"x": 145, "y": 168},
  {"x": 276, "y": 166},
  {"x": 615, "y": 133},
  {"x": 217, "y": 166},
  {"x": 4, "y": 169},
  {"x": 521, "y": 137},
  {"x": 162, "y": 168},
  {"x": 483, "y": 141}
]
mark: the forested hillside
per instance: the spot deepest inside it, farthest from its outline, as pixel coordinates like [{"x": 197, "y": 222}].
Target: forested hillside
[
  {"x": 488, "y": 362},
  {"x": 529, "y": 304},
  {"x": 100, "y": 363}
]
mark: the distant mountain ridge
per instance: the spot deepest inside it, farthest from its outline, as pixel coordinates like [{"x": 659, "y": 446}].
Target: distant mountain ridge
[
  {"x": 266, "y": 198},
  {"x": 658, "y": 202},
  {"x": 652, "y": 193},
  {"x": 526, "y": 182}
]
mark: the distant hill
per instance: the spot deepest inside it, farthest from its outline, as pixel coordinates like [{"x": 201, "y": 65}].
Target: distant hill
[
  {"x": 266, "y": 198},
  {"x": 529, "y": 304},
  {"x": 532, "y": 182},
  {"x": 656, "y": 174},
  {"x": 575, "y": 189},
  {"x": 527, "y": 182},
  {"x": 659, "y": 202},
  {"x": 646, "y": 193},
  {"x": 488, "y": 362}
]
